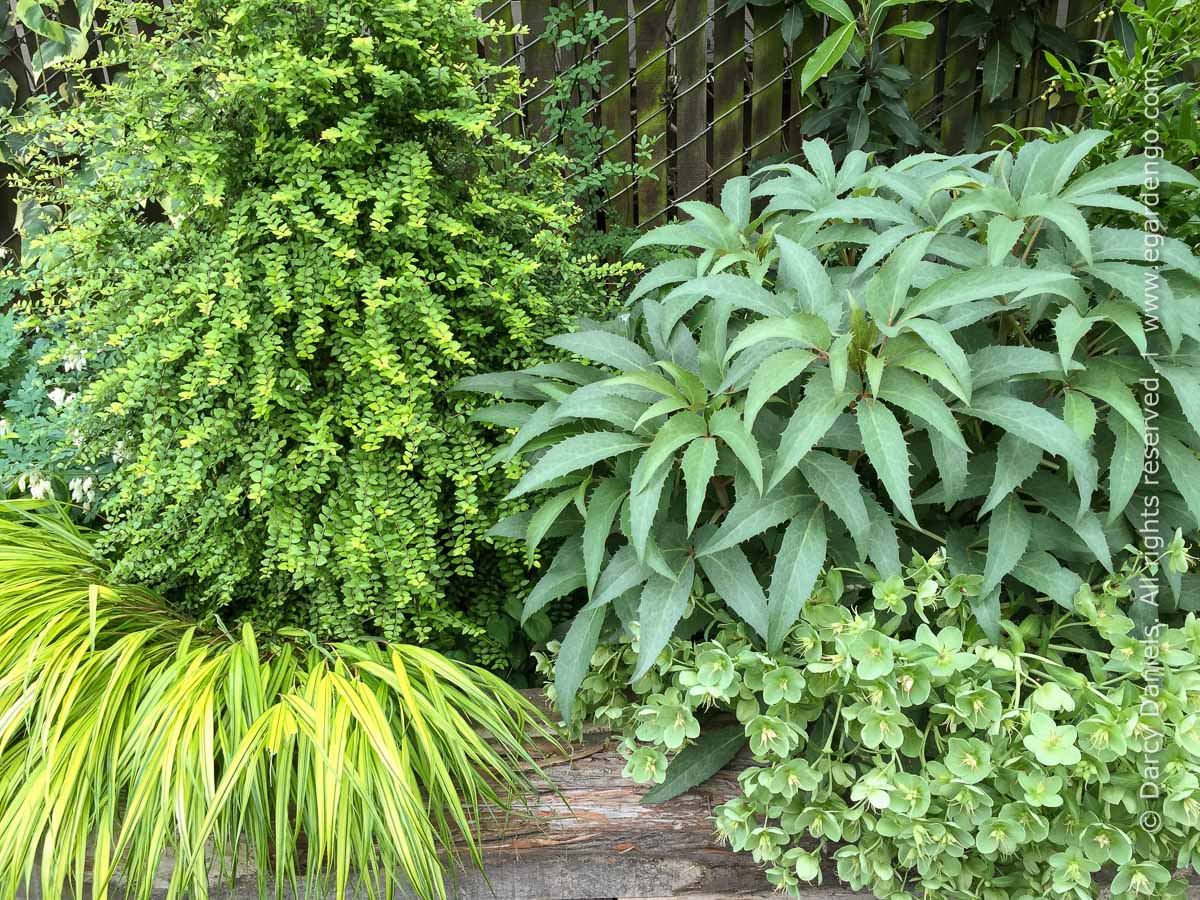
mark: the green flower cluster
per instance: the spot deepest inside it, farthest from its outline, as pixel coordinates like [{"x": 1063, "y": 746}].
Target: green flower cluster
[
  {"x": 290, "y": 228},
  {"x": 891, "y": 736}
]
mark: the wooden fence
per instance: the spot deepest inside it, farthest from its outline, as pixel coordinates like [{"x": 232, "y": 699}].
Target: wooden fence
[
  {"x": 713, "y": 94},
  {"x": 717, "y": 94}
]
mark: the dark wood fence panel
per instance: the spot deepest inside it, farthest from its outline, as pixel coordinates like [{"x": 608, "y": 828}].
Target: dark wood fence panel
[{"x": 709, "y": 94}]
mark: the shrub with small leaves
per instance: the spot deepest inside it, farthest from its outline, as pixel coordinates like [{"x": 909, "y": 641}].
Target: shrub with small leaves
[
  {"x": 295, "y": 226},
  {"x": 947, "y": 767},
  {"x": 860, "y": 362}
]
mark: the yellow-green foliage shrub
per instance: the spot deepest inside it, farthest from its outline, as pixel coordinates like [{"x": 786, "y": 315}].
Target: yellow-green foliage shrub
[{"x": 290, "y": 227}]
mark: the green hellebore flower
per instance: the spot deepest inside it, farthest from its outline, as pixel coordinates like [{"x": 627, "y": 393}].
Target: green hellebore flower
[
  {"x": 1053, "y": 745},
  {"x": 874, "y": 654},
  {"x": 783, "y": 684},
  {"x": 969, "y": 760}
]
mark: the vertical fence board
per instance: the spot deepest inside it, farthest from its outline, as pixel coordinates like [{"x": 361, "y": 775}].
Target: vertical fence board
[
  {"x": 921, "y": 60},
  {"x": 650, "y": 29},
  {"x": 729, "y": 90},
  {"x": 615, "y": 108},
  {"x": 766, "y": 102},
  {"x": 802, "y": 48},
  {"x": 961, "y": 71},
  {"x": 537, "y": 52},
  {"x": 691, "y": 102}
]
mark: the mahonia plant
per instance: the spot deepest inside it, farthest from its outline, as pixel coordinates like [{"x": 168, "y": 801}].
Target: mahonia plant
[
  {"x": 916, "y": 758},
  {"x": 939, "y": 353},
  {"x": 293, "y": 227}
]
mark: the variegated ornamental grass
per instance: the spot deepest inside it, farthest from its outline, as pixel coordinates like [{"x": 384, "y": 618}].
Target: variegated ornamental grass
[{"x": 128, "y": 733}]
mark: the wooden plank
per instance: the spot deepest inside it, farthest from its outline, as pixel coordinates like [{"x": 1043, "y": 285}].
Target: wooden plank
[
  {"x": 691, "y": 103},
  {"x": 729, "y": 91},
  {"x": 650, "y": 30},
  {"x": 802, "y": 47},
  {"x": 961, "y": 80},
  {"x": 766, "y": 103},
  {"x": 538, "y": 57},
  {"x": 615, "y": 108},
  {"x": 921, "y": 60}
]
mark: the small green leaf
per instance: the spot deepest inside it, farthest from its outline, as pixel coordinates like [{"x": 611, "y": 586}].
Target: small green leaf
[
  {"x": 916, "y": 30},
  {"x": 826, "y": 56}
]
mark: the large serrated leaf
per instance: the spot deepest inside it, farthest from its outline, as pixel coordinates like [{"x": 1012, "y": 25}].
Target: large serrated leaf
[
  {"x": 888, "y": 453},
  {"x": 814, "y": 416},
  {"x": 1042, "y": 572},
  {"x": 1008, "y": 539},
  {"x": 698, "y": 762},
  {"x": 1184, "y": 469},
  {"x": 565, "y": 574},
  {"x": 575, "y": 657},
  {"x": 602, "y": 509},
  {"x": 662, "y": 605},
  {"x": 678, "y": 430},
  {"x": 836, "y": 484},
  {"x": 797, "y": 565},
  {"x": 699, "y": 463},
  {"x": 1038, "y": 426},
  {"x": 727, "y": 425},
  {"x": 644, "y": 504},
  {"x": 778, "y": 371},
  {"x": 905, "y": 390},
  {"x": 1125, "y": 466},
  {"x": 978, "y": 284},
  {"x": 750, "y": 516},
  {"x": 577, "y": 452},
  {"x": 732, "y": 578},
  {"x": 604, "y": 347}
]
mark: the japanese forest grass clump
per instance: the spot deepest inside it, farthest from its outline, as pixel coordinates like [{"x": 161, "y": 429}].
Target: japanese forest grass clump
[
  {"x": 859, "y": 366},
  {"x": 289, "y": 227},
  {"x": 133, "y": 736}
]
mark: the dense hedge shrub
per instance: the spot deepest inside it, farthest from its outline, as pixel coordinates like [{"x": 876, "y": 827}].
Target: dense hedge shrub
[{"x": 294, "y": 224}]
